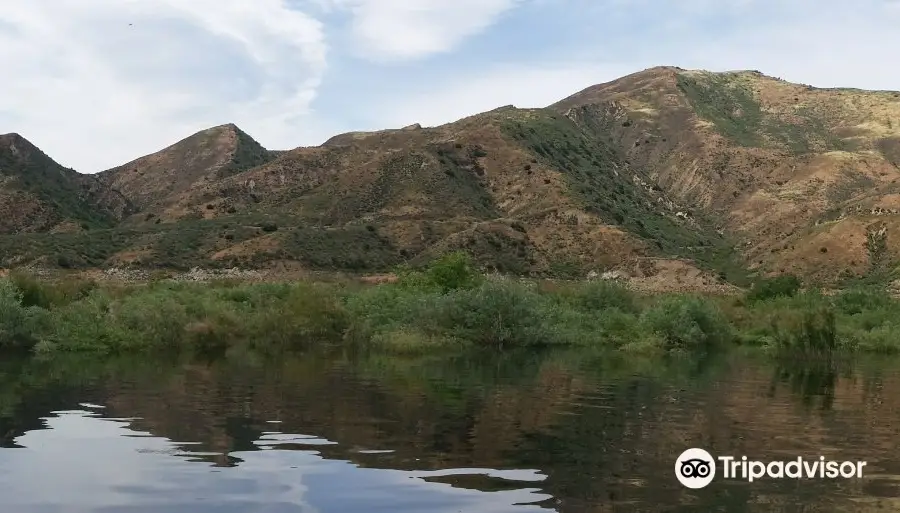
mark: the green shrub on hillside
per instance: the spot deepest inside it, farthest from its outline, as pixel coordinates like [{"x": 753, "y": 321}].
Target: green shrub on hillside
[{"x": 589, "y": 162}]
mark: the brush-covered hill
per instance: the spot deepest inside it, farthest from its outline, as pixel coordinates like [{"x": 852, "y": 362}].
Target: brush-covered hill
[
  {"x": 155, "y": 182},
  {"x": 39, "y": 195},
  {"x": 524, "y": 190},
  {"x": 663, "y": 169},
  {"x": 806, "y": 179}
]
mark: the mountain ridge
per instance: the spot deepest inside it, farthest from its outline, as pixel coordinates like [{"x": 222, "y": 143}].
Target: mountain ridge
[
  {"x": 730, "y": 172},
  {"x": 38, "y": 194}
]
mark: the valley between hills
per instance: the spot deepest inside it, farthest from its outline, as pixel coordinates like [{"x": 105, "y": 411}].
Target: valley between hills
[{"x": 675, "y": 177}]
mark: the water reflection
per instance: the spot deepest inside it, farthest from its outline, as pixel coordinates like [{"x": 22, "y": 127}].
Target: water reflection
[
  {"x": 99, "y": 464},
  {"x": 568, "y": 432},
  {"x": 813, "y": 381}
]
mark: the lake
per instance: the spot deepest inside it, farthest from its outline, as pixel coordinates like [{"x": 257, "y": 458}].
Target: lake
[{"x": 521, "y": 432}]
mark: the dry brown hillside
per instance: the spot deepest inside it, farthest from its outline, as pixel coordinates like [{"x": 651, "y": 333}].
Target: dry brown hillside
[
  {"x": 37, "y": 194},
  {"x": 663, "y": 169},
  {"x": 154, "y": 182},
  {"x": 805, "y": 178},
  {"x": 412, "y": 193}
]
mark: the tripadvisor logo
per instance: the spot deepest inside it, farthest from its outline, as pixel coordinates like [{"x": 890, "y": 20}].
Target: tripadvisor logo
[{"x": 696, "y": 468}]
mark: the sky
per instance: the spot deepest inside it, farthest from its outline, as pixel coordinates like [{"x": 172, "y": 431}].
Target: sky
[{"x": 97, "y": 83}]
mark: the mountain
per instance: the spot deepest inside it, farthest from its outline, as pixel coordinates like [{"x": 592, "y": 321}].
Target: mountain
[
  {"x": 703, "y": 175},
  {"x": 805, "y": 179},
  {"x": 155, "y": 182},
  {"x": 37, "y": 194}
]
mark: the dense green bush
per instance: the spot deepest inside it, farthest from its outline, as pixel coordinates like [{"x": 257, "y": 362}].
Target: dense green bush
[
  {"x": 306, "y": 313},
  {"x": 47, "y": 294},
  {"x": 445, "y": 304},
  {"x": 387, "y": 308},
  {"x": 13, "y": 316},
  {"x": 454, "y": 271},
  {"x": 811, "y": 330},
  {"x": 786, "y": 285},
  {"x": 451, "y": 271},
  {"x": 861, "y": 319},
  {"x": 857, "y": 301},
  {"x": 496, "y": 314},
  {"x": 170, "y": 316},
  {"x": 686, "y": 322},
  {"x": 602, "y": 295}
]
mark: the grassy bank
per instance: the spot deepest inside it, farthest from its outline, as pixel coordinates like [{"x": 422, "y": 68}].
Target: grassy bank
[{"x": 446, "y": 304}]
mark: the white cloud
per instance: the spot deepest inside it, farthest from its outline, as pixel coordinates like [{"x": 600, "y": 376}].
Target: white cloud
[
  {"x": 98, "y": 82},
  {"x": 390, "y": 30}
]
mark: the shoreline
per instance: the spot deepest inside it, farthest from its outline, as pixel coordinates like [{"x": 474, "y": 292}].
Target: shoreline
[
  {"x": 448, "y": 304},
  {"x": 656, "y": 284}
]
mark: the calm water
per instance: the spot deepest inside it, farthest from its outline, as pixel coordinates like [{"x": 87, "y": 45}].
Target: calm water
[{"x": 568, "y": 432}]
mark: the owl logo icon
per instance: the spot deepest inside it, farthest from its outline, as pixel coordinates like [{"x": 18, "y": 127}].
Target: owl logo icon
[{"x": 695, "y": 468}]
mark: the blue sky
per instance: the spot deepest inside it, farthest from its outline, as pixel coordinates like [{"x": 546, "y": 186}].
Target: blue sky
[{"x": 96, "y": 83}]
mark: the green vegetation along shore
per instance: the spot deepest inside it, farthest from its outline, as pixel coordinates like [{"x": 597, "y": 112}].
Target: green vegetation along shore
[{"x": 447, "y": 304}]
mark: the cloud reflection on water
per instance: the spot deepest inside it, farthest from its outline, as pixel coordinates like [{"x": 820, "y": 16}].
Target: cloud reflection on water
[{"x": 82, "y": 462}]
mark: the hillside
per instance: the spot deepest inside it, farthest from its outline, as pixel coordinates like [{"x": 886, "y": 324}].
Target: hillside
[
  {"x": 370, "y": 201},
  {"x": 667, "y": 170},
  {"x": 37, "y": 194},
  {"x": 155, "y": 182},
  {"x": 804, "y": 178}
]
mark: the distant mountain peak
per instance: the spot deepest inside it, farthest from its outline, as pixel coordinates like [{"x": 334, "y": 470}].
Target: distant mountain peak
[
  {"x": 14, "y": 139},
  {"x": 230, "y": 127},
  {"x": 18, "y": 147},
  {"x": 156, "y": 180}
]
